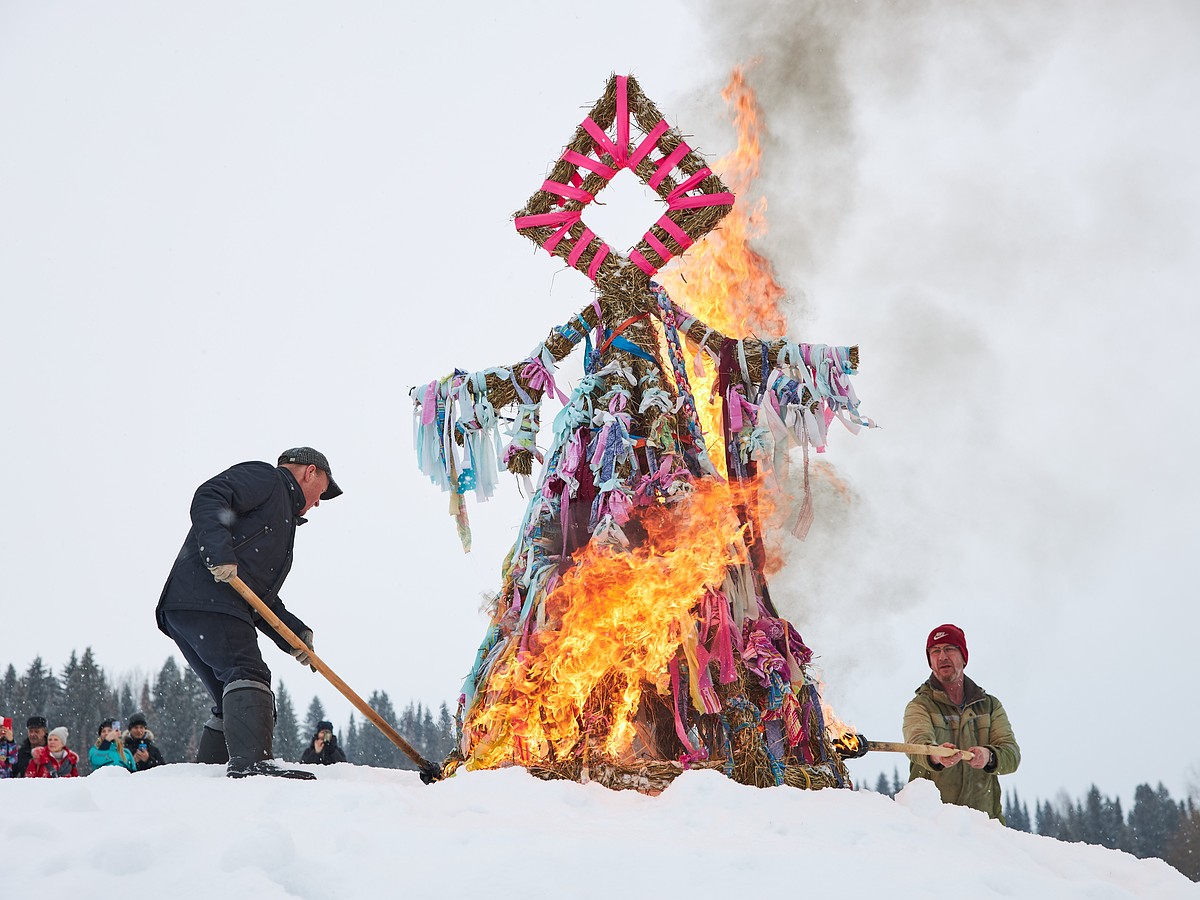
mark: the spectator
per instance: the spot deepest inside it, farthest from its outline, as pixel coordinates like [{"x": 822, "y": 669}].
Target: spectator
[
  {"x": 35, "y": 736},
  {"x": 110, "y": 749},
  {"x": 141, "y": 739},
  {"x": 54, "y": 760},
  {"x": 323, "y": 748},
  {"x": 9, "y": 751}
]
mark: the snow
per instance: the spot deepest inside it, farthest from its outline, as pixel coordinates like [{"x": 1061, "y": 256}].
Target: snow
[{"x": 186, "y": 830}]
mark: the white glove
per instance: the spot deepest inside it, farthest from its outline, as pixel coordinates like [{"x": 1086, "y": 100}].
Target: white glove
[
  {"x": 225, "y": 572},
  {"x": 301, "y": 657}
]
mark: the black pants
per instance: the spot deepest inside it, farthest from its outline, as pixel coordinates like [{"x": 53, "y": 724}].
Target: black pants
[{"x": 220, "y": 649}]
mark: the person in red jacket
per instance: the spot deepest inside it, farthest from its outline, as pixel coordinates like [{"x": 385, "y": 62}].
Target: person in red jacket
[{"x": 54, "y": 760}]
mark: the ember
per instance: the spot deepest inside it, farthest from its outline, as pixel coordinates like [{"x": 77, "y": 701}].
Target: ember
[{"x": 634, "y": 635}]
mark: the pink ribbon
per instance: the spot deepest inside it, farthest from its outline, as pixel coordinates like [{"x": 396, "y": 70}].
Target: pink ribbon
[
  {"x": 538, "y": 377},
  {"x": 429, "y": 407}
]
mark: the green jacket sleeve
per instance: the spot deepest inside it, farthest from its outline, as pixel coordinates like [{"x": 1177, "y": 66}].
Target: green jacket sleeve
[{"x": 1002, "y": 741}]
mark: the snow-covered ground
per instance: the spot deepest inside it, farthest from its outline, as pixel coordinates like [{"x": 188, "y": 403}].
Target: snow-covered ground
[{"x": 186, "y": 831}]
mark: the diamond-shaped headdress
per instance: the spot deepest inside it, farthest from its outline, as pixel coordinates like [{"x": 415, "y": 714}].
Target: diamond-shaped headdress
[{"x": 624, "y": 130}]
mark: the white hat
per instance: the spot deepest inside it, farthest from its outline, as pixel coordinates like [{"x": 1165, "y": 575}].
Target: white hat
[{"x": 60, "y": 732}]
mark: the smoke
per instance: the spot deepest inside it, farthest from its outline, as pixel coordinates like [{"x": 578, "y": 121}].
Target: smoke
[{"x": 967, "y": 190}]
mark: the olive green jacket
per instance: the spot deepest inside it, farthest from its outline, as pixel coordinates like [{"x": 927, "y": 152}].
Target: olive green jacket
[{"x": 932, "y": 718}]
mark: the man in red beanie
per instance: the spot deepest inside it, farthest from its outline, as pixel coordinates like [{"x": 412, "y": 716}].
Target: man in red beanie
[{"x": 952, "y": 710}]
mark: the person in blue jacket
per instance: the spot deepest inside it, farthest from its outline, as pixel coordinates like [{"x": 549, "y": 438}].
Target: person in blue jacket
[
  {"x": 109, "y": 750},
  {"x": 244, "y": 524}
]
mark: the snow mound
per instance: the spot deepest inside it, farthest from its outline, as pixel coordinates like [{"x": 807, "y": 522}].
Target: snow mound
[{"x": 357, "y": 831}]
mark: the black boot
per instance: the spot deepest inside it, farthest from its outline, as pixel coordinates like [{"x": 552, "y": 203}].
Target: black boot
[
  {"x": 249, "y": 709},
  {"x": 212, "y": 743}
]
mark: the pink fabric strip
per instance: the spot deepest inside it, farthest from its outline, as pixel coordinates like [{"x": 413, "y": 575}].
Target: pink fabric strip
[
  {"x": 642, "y": 263},
  {"x": 648, "y": 144},
  {"x": 586, "y": 162},
  {"x": 622, "y": 120},
  {"x": 667, "y": 164},
  {"x": 658, "y": 247},
  {"x": 566, "y": 190},
  {"x": 594, "y": 265},
  {"x": 563, "y": 217},
  {"x": 598, "y": 135},
  {"x": 722, "y": 199},
  {"x": 680, "y": 732},
  {"x": 684, "y": 187},
  {"x": 681, "y": 236},
  {"x": 580, "y": 246},
  {"x": 552, "y": 241}
]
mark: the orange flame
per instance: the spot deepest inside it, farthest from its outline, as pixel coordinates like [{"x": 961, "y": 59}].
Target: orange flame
[
  {"x": 614, "y": 623},
  {"x": 722, "y": 280}
]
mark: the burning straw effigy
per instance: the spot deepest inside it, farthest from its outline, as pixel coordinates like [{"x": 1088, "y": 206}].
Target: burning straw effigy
[{"x": 634, "y": 635}]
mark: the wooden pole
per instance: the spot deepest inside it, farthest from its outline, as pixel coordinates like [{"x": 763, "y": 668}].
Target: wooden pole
[
  {"x": 429, "y": 771},
  {"x": 923, "y": 749}
]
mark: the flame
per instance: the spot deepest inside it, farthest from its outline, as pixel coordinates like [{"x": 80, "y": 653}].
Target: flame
[
  {"x": 722, "y": 280},
  {"x": 614, "y": 623}
]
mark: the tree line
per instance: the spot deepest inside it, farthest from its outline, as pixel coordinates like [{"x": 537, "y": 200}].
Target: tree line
[
  {"x": 176, "y": 705},
  {"x": 1156, "y": 825}
]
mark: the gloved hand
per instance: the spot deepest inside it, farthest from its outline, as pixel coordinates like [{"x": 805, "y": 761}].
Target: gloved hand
[
  {"x": 301, "y": 657},
  {"x": 225, "y": 572}
]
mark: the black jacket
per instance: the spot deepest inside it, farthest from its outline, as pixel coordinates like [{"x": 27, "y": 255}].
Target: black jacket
[
  {"x": 24, "y": 757},
  {"x": 133, "y": 744},
  {"x": 246, "y": 515},
  {"x": 331, "y": 753}
]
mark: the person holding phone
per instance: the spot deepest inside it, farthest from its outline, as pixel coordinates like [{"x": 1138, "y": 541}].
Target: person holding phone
[
  {"x": 54, "y": 760},
  {"x": 110, "y": 750},
  {"x": 323, "y": 748},
  {"x": 9, "y": 749},
  {"x": 140, "y": 740}
]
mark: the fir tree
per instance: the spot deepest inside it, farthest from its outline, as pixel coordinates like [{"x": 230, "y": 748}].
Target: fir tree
[
  {"x": 170, "y": 704},
  {"x": 38, "y": 694},
  {"x": 350, "y": 748},
  {"x": 896, "y": 783},
  {"x": 288, "y": 743},
  {"x": 315, "y": 714},
  {"x": 8, "y": 691},
  {"x": 882, "y": 786},
  {"x": 447, "y": 732},
  {"x": 1153, "y": 821},
  {"x": 373, "y": 748},
  {"x": 87, "y": 699},
  {"x": 1183, "y": 852}
]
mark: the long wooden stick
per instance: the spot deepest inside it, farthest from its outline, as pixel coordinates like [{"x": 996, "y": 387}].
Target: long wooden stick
[
  {"x": 428, "y": 769},
  {"x": 924, "y": 749}
]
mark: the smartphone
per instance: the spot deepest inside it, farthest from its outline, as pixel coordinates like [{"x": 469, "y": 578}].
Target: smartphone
[
  {"x": 118, "y": 725},
  {"x": 6, "y": 722}
]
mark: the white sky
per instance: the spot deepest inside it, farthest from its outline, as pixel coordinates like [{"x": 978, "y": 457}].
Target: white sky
[{"x": 229, "y": 229}]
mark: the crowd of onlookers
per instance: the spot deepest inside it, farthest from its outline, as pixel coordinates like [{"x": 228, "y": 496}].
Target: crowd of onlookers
[{"x": 46, "y": 754}]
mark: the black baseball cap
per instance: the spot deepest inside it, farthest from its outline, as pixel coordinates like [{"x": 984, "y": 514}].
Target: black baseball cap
[{"x": 307, "y": 456}]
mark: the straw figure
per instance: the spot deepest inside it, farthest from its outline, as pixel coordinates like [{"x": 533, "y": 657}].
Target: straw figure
[{"x": 634, "y": 634}]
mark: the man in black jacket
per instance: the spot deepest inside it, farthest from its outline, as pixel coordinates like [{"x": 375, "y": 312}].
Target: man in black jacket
[
  {"x": 244, "y": 523},
  {"x": 140, "y": 740},
  {"x": 323, "y": 748},
  {"x": 35, "y": 736}
]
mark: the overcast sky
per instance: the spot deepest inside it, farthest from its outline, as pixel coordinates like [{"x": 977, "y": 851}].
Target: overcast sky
[{"x": 230, "y": 228}]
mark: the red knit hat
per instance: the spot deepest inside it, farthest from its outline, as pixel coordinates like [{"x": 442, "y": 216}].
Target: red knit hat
[{"x": 947, "y": 634}]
